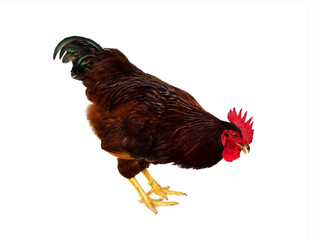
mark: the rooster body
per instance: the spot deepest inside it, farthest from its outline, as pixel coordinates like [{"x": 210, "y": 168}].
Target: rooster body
[{"x": 142, "y": 120}]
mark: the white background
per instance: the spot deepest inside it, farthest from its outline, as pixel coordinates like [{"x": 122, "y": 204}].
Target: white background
[{"x": 57, "y": 183}]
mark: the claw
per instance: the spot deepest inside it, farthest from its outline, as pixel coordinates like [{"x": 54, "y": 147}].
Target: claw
[
  {"x": 163, "y": 191},
  {"x": 153, "y": 203},
  {"x": 156, "y": 200},
  {"x": 149, "y": 202},
  {"x": 157, "y": 189}
]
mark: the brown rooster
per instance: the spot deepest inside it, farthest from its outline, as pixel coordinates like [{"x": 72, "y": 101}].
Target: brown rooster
[{"x": 142, "y": 120}]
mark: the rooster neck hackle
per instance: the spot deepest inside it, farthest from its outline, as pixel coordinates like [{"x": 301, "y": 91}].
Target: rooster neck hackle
[{"x": 196, "y": 143}]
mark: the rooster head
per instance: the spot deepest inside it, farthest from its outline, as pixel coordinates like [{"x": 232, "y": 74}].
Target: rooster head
[{"x": 233, "y": 141}]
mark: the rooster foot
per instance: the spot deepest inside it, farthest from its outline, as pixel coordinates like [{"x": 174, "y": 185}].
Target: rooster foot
[
  {"x": 162, "y": 192},
  {"x": 153, "y": 203},
  {"x": 149, "y": 202}
]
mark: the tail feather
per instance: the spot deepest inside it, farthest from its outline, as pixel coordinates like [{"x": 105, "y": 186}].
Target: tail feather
[{"x": 78, "y": 50}]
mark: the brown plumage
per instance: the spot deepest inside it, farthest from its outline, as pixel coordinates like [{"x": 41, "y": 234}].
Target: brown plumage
[{"x": 140, "y": 119}]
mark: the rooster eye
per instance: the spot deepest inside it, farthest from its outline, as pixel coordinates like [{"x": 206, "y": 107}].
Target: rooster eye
[{"x": 234, "y": 135}]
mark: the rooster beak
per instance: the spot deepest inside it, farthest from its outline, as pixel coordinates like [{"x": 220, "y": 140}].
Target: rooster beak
[{"x": 244, "y": 148}]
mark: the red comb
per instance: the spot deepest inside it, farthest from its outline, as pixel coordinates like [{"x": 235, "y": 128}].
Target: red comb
[{"x": 244, "y": 126}]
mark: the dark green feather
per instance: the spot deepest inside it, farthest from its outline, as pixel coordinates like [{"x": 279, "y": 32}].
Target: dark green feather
[
  {"x": 75, "y": 42},
  {"x": 68, "y": 57},
  {"x": 78, "y": 50},
  {"x": 81, "y": 60},
  {"x": 61, "y": 44}
]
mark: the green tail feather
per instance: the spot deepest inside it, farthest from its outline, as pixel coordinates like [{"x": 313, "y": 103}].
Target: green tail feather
[{"x": 78, "y": 50}]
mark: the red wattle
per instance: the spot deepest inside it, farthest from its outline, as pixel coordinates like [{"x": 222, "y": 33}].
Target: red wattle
[{"x": 231, "y": 153}]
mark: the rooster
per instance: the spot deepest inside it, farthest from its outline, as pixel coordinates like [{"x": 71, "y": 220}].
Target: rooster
[{"x": 142, "y": 120}]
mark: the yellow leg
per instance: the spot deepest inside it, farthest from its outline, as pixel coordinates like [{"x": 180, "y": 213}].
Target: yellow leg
[
  {"x": 157, "y": 189},
  {"x": 150, "y": 203}
]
